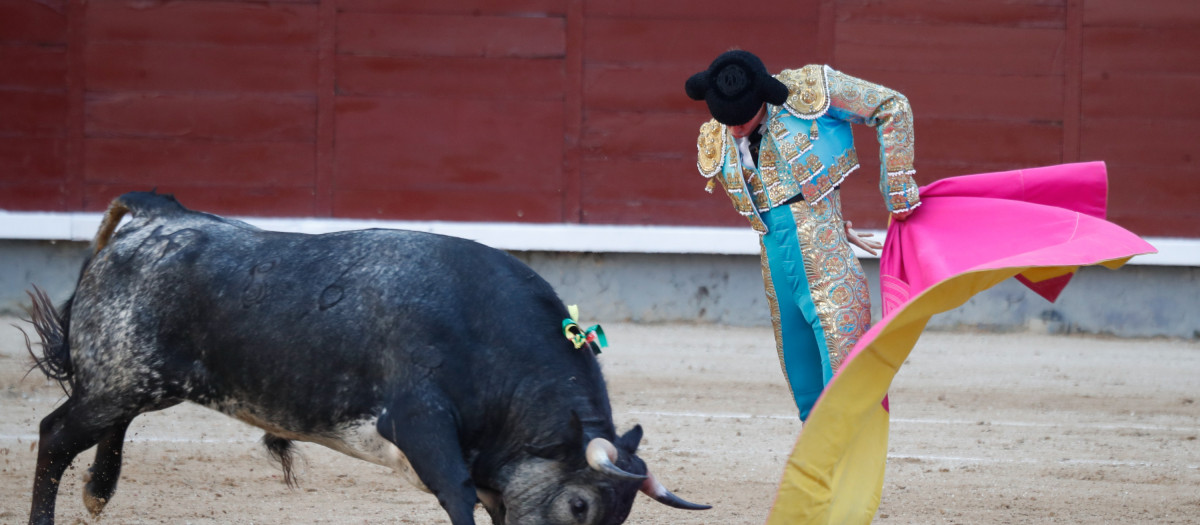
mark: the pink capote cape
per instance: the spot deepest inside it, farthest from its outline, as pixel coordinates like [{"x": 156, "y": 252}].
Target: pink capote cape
[{"x": 970, "y": 233}]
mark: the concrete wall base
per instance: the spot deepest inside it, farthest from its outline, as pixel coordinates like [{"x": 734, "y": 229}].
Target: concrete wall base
[{"x": 1134, "y": 301}]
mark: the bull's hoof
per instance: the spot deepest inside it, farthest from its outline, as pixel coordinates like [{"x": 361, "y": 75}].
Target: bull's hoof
[{"x": 94, "y": 504}]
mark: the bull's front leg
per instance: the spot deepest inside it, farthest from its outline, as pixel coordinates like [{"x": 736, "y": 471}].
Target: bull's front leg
[{"x": 425, "y": 431}]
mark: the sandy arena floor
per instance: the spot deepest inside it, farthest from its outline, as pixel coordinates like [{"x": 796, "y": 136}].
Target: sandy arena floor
[{"x": 987, "y": 428}]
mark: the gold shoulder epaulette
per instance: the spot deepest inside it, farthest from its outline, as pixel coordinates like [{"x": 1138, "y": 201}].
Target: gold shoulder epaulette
[
  {"x": 710, "y": 148},
  {"x": 808, "y": 91}
]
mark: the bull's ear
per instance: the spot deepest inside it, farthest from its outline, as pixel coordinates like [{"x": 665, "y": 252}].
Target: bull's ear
[{"x": 630, "y": 440}]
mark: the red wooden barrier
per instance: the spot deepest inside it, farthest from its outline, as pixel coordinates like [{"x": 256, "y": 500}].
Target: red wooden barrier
[{"x": 564, "y": 110}]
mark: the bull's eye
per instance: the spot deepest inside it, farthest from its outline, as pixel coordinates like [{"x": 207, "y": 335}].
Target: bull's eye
[{"x": 579, "y": 508}]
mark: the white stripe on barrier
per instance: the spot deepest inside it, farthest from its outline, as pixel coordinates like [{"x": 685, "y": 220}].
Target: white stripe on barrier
[{"x": 555, "y": 237}]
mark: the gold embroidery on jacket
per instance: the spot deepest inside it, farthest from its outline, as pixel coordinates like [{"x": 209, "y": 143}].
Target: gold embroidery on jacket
[
  {"x": 738, "y": 189},
  {"x": 808, "y": 89},
  {"x": 844, "y": 165},
  {"x": 890, "y": 114},
  {"x": 777, "y": 129},
  {"x": 803, "y": 143},
  {"x": 757, "y": 182},
  {"x": 710, "y": 148}
]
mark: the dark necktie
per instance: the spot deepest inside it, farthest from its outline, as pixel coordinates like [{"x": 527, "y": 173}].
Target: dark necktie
[{"x": 755, "y": 138}]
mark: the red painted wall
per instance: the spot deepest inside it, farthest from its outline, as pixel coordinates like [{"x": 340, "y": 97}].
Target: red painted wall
[{"x": 565, "y": 110}]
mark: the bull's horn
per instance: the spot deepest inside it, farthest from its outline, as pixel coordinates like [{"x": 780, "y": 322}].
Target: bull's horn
[
  {"x": 656, "y": 490},
  {"x": 600, "y": 456}
]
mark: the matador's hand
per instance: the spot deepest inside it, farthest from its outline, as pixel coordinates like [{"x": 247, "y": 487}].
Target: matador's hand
[{"x": 859, "y": 239}]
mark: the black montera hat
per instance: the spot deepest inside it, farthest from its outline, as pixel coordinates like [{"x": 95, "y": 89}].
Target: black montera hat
[{"x": 735, "y": 86}]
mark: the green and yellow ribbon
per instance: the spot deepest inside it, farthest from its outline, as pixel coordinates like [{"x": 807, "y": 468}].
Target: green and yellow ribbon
[{"x": 580, "y": 337}]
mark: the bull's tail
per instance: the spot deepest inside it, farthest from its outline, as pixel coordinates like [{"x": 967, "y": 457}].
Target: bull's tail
[
  {"x": 281, "y": 450},
  {"x": 109, "y": 223},
  {"x": 51, "y": 326},
  {"x": 136, "y": 202}
]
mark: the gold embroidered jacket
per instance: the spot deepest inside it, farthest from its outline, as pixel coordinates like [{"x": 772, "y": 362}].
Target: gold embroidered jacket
[{"x": 808, "y": 149}]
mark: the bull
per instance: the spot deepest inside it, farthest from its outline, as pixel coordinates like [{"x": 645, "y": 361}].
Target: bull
[{"x": 438, "y": 357}]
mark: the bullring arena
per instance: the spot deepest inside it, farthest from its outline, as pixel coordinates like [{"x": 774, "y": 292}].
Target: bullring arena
[{"x": 986, "y": 428}]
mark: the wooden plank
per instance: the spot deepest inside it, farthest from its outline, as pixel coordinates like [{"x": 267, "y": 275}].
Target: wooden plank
[
  {"x": 463, "y": 204},
  {"x": 1072, "y": 80},
  {"x": 33, "y": 22},
  {"x": 973, "y": 95},
  {"x": 1149, "y": 96},
  {"x": 28, "y": 159},
  {"x": 1153, "y": 190},
  {"x": 638, "y": 88},
  {"x": 630, "y": 211},
  {"x": 666, "y": 143},
  {"x": 33, "y": 114},
  {"x": 797, "y": 11},
  {"x": 31, "y": 195},
  {"x": 153, "y": 162},
  {"x": 1154, "y": 200},
  {"x": 978, "y": 141},
  {"x": 477, "y": 36},
  {"x": 573, "y": 102},
  {"x": 950, "y": 49},
  {"x": 641, "y": 134},
  {"x": 1142, "y": 142},
  {"x": 200, "y": 116},
  {"x": 826, "y": 30},
  {"x": 1183, "y": 14},
  {"x": 326, "y": 113},
  {"x": 530, "y": 8},
  {"x": 148, "y": 67},
  {"x": 932, "y": 94},
  {"x": 40, "y": 68},
  {"x": 1041, "y": 14},
  {"x": 780, "y": 43},
  {"x": 500, "y": 78},
  {"x": 1153, "y": 50},
  {"x": 261, "y": 201},
  {"x": 455, "y": 144},
  {"x": 645, "y": 180},
  {"x": 209, "y": 23},
  {"x": 76, "y": 90},
  {"x": 930, "y": 169}
]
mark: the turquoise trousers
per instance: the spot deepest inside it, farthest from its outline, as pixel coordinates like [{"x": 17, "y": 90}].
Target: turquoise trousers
[{"x": 817, "y": 291}]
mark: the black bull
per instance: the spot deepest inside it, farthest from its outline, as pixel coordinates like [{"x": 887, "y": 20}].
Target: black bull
[{"x": 435, "y": 356}]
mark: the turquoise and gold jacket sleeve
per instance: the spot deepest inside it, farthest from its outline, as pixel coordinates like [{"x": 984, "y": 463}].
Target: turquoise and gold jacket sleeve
[{"x": 887, "y": 111}]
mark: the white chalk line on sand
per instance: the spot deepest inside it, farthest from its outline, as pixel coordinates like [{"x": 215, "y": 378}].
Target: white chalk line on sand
[
  {"x": 1031, "y": 461},
  {"x": 31, "y": 438},
  {"x": 930, "y": 421},
  {"x": 702, "y": 415}
]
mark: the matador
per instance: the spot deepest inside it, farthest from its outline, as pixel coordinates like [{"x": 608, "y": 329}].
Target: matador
[{"x": 781, "y": 145}]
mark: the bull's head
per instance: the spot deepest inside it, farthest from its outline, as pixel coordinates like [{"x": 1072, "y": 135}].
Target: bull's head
[{"x": 573, "y": 483}]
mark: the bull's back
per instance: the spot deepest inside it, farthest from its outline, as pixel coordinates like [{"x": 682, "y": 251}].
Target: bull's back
[{"x": 278, "y": 320}]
